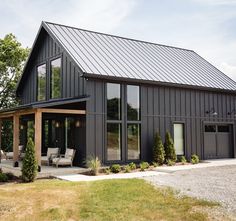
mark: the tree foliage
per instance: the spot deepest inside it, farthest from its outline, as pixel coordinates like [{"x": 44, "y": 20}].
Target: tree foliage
[
  {"x": 29, "y": 168},
  {"x": 158, "y": 150},
  {"x": 12, "y": 58},
  {"x": 169, "y": 148}
]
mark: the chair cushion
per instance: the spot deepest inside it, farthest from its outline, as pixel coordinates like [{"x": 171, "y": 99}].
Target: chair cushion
[
  {"x": 69, "y": 153},
  {"x": 61, "y": 161},
  {"x": 52, "y": 151}
]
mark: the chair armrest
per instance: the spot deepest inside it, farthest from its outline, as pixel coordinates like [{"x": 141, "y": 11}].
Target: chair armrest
[
  {"x": 53, "y": 155},
  {"x": 62, "y": 155}
]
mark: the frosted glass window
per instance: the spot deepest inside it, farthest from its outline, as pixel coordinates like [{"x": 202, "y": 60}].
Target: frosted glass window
[{"x": 179, "y": 139}]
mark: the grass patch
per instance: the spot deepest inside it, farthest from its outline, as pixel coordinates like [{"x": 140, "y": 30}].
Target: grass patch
[{"x": 131, "y": 199}]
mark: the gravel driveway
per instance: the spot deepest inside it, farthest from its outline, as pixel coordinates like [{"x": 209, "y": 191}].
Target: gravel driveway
[{"x": 213, "y": 183}]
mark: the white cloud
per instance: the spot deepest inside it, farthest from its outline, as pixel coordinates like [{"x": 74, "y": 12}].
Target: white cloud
[{"x": 228, "y": 69}]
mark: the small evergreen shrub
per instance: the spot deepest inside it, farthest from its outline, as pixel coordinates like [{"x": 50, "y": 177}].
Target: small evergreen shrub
[
  {"x": 94, "y": 165},
  {"x": 3, "y": 177},
  {"x": 127, "y": 169},
  {"x": 10, "y": 176},
  {"x": 132, "y": 166},
  {"x": 29, "y": 168},
  {"x": 158, "y": 150},
  {"x": 194, "y": 159},
  {"x": 143, "y": 166},
  {"x": 170, "y": 163},
  {"x": 155, "y": 164},
  {"x": 115, "y": 168},
  {"x": 107, "y": 171},
  {"x": 169, "y": 148},
  {"x": 183, "y": 160}
]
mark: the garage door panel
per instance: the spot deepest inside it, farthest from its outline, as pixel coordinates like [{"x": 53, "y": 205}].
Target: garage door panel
[
  {"x": 218, "y": 141},
  {"x": 224, "y": 145},
  {"x": 210, "y": 146}
]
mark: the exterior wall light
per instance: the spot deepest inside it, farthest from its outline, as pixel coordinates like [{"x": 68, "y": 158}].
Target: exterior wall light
[
  {"x": 77, "y": 123},
  {"x": 232, "y": 112},
  {"x": 212, "y": 112},
  {"x": 57, "y": 124}
]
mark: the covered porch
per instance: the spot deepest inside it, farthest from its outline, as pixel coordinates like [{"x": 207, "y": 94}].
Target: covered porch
[{"x": 54, "y": 127}]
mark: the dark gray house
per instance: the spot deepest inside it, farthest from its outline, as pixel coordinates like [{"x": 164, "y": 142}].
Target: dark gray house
[{"x": 106, "y": 96}]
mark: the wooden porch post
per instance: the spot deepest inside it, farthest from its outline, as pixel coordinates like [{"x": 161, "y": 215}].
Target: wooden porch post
[
  {"x": 38, "y": 137},
  {"x": 16, "y": 140}
]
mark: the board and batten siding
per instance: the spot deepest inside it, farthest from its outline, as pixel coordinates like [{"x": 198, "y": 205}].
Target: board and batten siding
[
  {"x": 46, "y": 50},
  {"x": 160, "y": 108}
]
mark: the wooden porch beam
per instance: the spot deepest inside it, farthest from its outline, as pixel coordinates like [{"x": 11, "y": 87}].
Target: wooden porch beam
[
  {"x": 16, "y": 131},
  {"x": 38, "y": 137},
  {"x": 61, "y": 111}
]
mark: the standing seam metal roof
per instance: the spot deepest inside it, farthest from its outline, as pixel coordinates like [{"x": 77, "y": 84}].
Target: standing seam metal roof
[{"x": 113, "y": 56}]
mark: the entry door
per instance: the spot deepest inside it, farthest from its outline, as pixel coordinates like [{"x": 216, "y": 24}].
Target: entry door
[{"x": 218, "y": 141}]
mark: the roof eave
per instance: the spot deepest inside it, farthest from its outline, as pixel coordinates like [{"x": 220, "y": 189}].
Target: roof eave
[{"x": 159, "y": 83}]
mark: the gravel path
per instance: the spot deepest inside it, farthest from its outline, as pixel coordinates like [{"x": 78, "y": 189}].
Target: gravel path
[{"x": 214, "y": 184}]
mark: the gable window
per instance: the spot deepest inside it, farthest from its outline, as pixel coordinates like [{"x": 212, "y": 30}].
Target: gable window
[
  {"x": 179, "y": 138},
  {"x": 41, "y": 82},
  {"x": 55, "y": 78}
]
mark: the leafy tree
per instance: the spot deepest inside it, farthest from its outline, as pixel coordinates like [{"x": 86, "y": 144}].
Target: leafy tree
[
  {"x": 169, "y": 148},
  {"x": 12, "y": 58},
  {"x": 158, "y": 150},
  {"x": 29, "y": 168}
]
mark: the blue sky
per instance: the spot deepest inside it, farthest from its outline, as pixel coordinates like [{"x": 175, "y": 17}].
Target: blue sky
[{"x": 206, "y": 26}]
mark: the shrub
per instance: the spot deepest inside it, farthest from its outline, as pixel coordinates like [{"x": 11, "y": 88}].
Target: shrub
[
  {"x": 183, "y": 160},
  {"x": 127, "y": 169},
  {"x": 115, "y": 168},
  {"x": 132, "y": 166},
  {"x": 29, "y": 168},
  {"x": 170, "y": 163},
  {"x": 3, "y": 177},
  {"x": 194, "y": 159},
  {"x": 94, "y": 165},
  {"x": 169, "y": 148},
  {"x": 107, "y": 171},
  {"x": 158, "y": 150},
  {"x": 154, "y": 164},
  {"x": 10, "y": 176},
  {"x": 144, "y": 165}
]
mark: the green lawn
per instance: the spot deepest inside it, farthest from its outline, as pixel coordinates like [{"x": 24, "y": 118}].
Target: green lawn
[{"x": 109, "y": 200}]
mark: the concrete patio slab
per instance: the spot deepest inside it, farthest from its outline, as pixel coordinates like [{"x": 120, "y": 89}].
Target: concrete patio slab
[
  {"x": 46, "y": 171},
  {"x": 203, "y": 164},
  {"x": 80, "y": 177}
]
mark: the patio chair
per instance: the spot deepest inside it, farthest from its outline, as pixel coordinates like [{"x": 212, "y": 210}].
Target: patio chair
[
  {"x": 51, "y": 153},
  {"x": 66, "y": 159},
  {"x": 9, "y": 155}
]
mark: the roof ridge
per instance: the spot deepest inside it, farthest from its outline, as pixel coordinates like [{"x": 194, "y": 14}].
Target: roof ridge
[{"x": 116, "y": 36}]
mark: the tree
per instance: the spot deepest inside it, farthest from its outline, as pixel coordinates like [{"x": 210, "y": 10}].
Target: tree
[
  {"x": 29, "y": 168},
  {"x": 158, "y": 150},
  {"x": 12, "y": 58},
  {"x": 169, "y": 148}
]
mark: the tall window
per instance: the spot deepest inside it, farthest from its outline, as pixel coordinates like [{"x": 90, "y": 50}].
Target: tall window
[
  {"x": 113, "y": 122},
  {"x": 179, "y": 138},
  {"x": 56, "y": 78},
  {"x": 133, "y": 122},
  {"x": 41, "y": 82}
]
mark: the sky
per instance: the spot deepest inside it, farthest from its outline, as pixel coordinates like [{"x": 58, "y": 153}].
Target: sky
[{"x": 206, "y": 26}]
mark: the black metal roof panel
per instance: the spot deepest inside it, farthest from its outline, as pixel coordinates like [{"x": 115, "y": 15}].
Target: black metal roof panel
[{"x": 113, "y": 56}]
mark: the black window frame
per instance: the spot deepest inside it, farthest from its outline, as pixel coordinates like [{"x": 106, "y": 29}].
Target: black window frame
[
  {"x": 112, "y": 121},
  {"x": 127, "y": 122},
  {"x": 37, "y": 83},
  {"x": 50, "y": 77}
]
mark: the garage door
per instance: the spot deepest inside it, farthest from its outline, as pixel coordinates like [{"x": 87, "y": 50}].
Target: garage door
[{"x": 218, "y": 141}]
